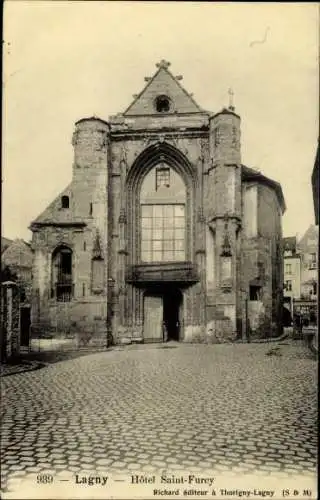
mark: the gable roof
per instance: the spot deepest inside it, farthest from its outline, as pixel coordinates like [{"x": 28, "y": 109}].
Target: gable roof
[
  {"x": 53, "y": 211},
  {"x": 310, "y": 238},
  {"x": 163, "y": 83},
  {"x": 54, "y": 214}
]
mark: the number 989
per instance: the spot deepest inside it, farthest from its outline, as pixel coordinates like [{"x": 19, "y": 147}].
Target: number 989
[{"x": 44, "y": 479}]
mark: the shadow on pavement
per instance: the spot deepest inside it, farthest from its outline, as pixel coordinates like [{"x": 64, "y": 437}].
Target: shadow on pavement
[{"x": 31, "y": 361}]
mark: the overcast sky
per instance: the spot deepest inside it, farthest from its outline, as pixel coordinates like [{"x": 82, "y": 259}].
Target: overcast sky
[{"x": 68, "y": 60}]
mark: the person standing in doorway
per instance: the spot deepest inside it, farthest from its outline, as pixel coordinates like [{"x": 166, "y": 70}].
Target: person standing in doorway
[{"x": 165, "y": 332}]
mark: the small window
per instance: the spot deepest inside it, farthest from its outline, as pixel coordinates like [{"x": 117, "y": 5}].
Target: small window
[
  {"x": 217, "y": 136},
  {"x": 162, "y": 104},
  {"x": 162, "y": 177},
  {"x": 288, "y": 269},
  {"x": 90, "y": 209},
  {"x": 288, "y": 286},
  {"x": 65, "y": 202},
  {"x": 313, "y": 261},
  {"x": 255, "y": 292}
]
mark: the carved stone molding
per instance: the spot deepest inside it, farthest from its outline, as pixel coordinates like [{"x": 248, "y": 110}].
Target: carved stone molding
[
  {"x": 204, "y": 148},
  {"x": 226, "y": 246},
  {"x": 97, "y": 250},
  {"x": 122, "y": 216},
  {"x": 123, "y": 163},
  {"x": 200, "y": 251},
  {"x": 200, "y": 216},
  {"x": 212, "y": 225}
]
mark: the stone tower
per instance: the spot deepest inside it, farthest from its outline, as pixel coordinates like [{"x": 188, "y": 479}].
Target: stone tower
[{"x": 224, "y": 214}]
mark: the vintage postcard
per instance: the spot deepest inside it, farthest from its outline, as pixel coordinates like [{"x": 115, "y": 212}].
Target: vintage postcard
[{"x": 159, "y": 250}]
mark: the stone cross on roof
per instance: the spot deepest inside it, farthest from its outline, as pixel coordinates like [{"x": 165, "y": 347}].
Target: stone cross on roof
[{"x": 163, "y": 64}]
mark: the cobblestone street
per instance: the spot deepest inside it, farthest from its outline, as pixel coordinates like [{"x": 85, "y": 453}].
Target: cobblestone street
[{"x": 163, "y": 407}]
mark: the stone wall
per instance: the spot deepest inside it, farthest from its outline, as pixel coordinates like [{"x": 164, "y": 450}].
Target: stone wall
[
  {"x": 79, "y": 228},
  {"x": 261, "y": 263}
]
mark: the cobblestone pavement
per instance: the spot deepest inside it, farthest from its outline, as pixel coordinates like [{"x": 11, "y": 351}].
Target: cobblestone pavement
[{"x": 239, "y": 408}]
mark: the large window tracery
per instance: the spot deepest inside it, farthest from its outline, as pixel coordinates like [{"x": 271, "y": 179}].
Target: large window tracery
[
  {"x": 162, "y": 232},
  {"x": 163, "y": 217}
]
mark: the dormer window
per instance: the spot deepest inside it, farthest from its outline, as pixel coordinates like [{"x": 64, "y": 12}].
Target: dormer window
[
  {"x": 162, "y": 104},
  {"x": 65, "y": 202}
]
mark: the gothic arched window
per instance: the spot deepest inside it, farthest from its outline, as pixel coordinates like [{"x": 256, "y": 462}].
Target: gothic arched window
[
  {"x": 163, "y": 216},
  {"x": 62, "y": 284}
]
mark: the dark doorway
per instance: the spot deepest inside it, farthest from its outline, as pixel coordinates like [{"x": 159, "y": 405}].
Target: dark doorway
[
  {"x": 172, "y": 301},
  {"x": 25, "y": 326}
]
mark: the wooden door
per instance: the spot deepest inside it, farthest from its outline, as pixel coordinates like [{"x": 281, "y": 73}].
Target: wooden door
[{"x": 153, "y": 318}]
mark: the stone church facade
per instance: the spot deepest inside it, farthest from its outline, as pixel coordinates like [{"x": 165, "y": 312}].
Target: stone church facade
[{"x": 162, "y": 233}]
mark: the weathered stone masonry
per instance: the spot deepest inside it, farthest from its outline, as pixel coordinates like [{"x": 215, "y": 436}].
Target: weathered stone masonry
[{"x": 97, "y": 269}]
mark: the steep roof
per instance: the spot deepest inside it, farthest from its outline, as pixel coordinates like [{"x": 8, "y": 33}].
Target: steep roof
[
  {"x": 250, "y": 174},
  {"x": 310, "y": 238},
  {"x": 5, "y": 242},
  {"x": 163, "y": 83},
  {"x": 289, "y": 243},
  {"x": 55, "y": 214}
]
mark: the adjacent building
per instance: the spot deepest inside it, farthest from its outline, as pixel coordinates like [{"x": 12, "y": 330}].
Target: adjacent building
[
  {"x": 300, "y": 287},
  {"x": 17, "y": 258},
  {"x": 162, "y": 233},
  {"x": 308, "y": 250},
  {"x": 291, "y": 272},
  {"x": 16, "y": 282}
]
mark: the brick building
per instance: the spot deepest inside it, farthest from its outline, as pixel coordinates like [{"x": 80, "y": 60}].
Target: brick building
[{"x": 162, "y": 232}]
